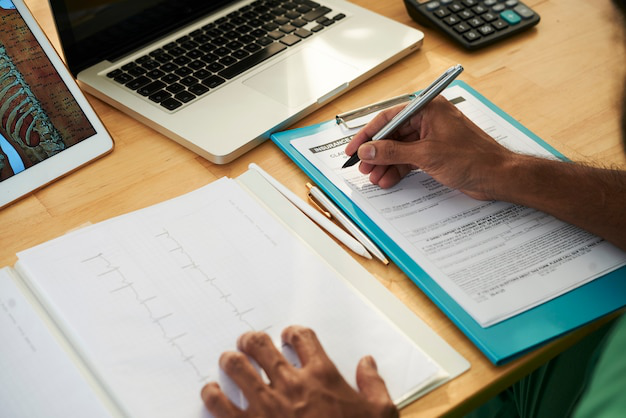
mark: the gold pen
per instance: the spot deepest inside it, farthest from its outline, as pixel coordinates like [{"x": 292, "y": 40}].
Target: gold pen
[{"x": 329, "y": 209}]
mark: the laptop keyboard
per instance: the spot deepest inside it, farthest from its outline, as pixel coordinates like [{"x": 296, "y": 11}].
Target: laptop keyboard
[{"x": 202, "y": 60}]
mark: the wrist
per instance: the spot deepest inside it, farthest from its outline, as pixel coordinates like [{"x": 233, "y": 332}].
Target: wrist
[{"x": 511, "y": 178}]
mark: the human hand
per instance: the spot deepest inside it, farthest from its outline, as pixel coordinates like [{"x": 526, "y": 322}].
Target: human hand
[
  {"x": 440, "y": 140},
  {"x": 317, "y": 389}
]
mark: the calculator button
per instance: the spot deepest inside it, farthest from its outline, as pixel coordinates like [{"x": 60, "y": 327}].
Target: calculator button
[
  {"x": 486, "y": 30},
  {"x": 471, "y": 35},
  {"x": 432, "y": 5},
  {"x": 511, "y": 3},
  {"x": 500, "y": 24},
  {"x": 490, "y": 3},
  {"x": 441, "y": 13},
  {"x": 510, "y": 17},
  {"x": 497, "y": 7},
  {"x": 488, "y": 17},
  {"x": 476, "y": 22},
  {"x": 462, "y": 27},
  {"x": 470, "y": 3},
  {"x": 466, "y": 14},
  {"x": 455, "y": 7},
  {"x": 452, "y": 20},
  {"x": 446, "y": 1},
  {"x": 523, "y": 11},
  {"x": 480, "y": 9}
]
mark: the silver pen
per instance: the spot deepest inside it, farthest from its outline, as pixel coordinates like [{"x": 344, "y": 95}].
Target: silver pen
[
  {"x": 422, "y": 99},
  {"x": 325, "y": 204}
]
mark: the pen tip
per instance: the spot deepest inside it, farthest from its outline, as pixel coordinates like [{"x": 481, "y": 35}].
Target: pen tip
[{"x": 351, "y": 161}]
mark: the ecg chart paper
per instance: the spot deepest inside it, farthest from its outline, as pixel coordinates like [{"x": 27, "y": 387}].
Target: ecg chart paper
[{"x": 151, "y": 299}]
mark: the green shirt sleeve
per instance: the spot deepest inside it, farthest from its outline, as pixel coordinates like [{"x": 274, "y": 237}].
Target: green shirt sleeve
[{"x": 605, "y": 396}]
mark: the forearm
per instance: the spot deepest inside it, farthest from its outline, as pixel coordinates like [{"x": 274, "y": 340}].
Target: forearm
[{"x": 591, "y": 198}]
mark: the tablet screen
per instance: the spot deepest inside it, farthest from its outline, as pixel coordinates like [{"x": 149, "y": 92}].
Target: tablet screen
[
  {"x": 39, "y": 117},
  {"x": 43, "y": 114}
]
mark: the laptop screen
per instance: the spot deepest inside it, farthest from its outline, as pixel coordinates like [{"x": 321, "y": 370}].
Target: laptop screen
[{"x": 95, "y": 30}]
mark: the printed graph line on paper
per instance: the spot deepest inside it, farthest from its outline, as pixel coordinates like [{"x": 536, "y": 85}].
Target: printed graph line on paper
[
  {"x": 187, "y": 262},
  {"x": 112, "y": 270}
]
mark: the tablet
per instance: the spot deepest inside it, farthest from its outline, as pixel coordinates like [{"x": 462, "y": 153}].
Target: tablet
[{"x": 47, "y": 127}]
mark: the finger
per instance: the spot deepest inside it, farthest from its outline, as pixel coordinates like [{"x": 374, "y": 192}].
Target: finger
[
  {"x": 260, "y": 347},
  {"x": 306, "y": 345},
  {"x": 388, "y": 152},
  {"x": 217, "y": 402},
  {"x": 385, "y": 176},
  {"x": 372, "y": 386},
  {"x": 366, "y": 168},
  {"x": 238, "y": 367}
]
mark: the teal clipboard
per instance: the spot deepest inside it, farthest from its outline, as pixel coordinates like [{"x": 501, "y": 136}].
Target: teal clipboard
[{"x": 508, "y": 339}]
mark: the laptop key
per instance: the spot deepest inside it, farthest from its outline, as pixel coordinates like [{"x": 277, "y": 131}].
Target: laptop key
[
  {"x": 276, "y": 34},
  {"x": 150, "y": 64},
  {"x": 303, "y": 33},
  {"x": 151, "y": 88},
  {"x": 115, "y": 73},
  {"x": 196, "y": 65},
  {"x": 175, "y": 88},
  {"x": 185, "y": 96},
  {"x": 163, "y": 58},
  {"x": 183, "y": 71},
  {"x": 240, "y": 54},
  {"x": 252, "y": 60},
  {"x": 123, "y": 78},
  {"x": 252, "y": 47},
  {"x": 202, "y": 74},
  {"x": 188, "y": 81},
  {"x": 215, "y": 67},
  {"x": 316, "y": 14},
  {"x": 170, "y": 78},
  {"x": 213, "y": 81},
  {"x": 154, "y": 74},
  {"x": 171, "y": 104},
  {"x": 137, "y": 82},
  {"x": 198, "y": 89},
  {"x": 290, "y": 40},
  {"x": 265, "y": 41},
  {"x": 159, "y": 96}
]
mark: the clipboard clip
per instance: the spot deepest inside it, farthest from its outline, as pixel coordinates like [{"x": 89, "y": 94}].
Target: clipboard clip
[{"x": 352, "y": 118}]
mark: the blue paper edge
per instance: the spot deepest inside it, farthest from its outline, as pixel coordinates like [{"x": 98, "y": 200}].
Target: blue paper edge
[{"x": 508, "y": 339}]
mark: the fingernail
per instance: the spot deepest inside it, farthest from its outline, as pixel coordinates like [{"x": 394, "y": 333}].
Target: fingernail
[
  {"x": 367, "y": 152},
  {"x": 209, "y": 389},
  {"x": 371, "y": 362}
]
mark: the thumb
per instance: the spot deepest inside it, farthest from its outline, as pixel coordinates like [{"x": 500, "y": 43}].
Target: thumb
[
  {"x": 387, "y": 152},
  {"x": 372, "y": 386}
]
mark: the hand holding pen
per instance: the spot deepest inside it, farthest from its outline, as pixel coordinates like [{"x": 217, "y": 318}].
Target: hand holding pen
[
  {"x": 414, "y": 106},
  {"x": 441, "y": 141}
]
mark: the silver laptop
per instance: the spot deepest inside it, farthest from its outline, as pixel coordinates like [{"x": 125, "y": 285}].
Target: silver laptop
[{"x": 219, "y": 76}]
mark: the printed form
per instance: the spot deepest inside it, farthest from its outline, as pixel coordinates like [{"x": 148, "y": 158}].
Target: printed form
[{"x": 495, "y": 259}]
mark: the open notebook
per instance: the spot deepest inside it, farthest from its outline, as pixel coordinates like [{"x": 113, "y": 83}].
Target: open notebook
[{"x": 129, "y": 316}]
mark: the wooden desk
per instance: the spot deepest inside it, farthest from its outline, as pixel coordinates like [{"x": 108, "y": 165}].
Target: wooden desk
[{"x": 562, "y": 80}]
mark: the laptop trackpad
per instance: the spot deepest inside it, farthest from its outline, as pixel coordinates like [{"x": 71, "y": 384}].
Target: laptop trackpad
[{"x": 302, "y": 78}]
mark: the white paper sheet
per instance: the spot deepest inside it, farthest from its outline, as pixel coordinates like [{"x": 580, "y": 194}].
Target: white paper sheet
[
  {"x": 151, "y": 299},
  {"x": 495, "y": 259},
  {"x": 37, "y": 378}
]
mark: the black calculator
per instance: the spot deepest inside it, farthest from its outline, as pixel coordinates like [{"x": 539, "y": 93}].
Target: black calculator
[{"x": 474, "y": 23}]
